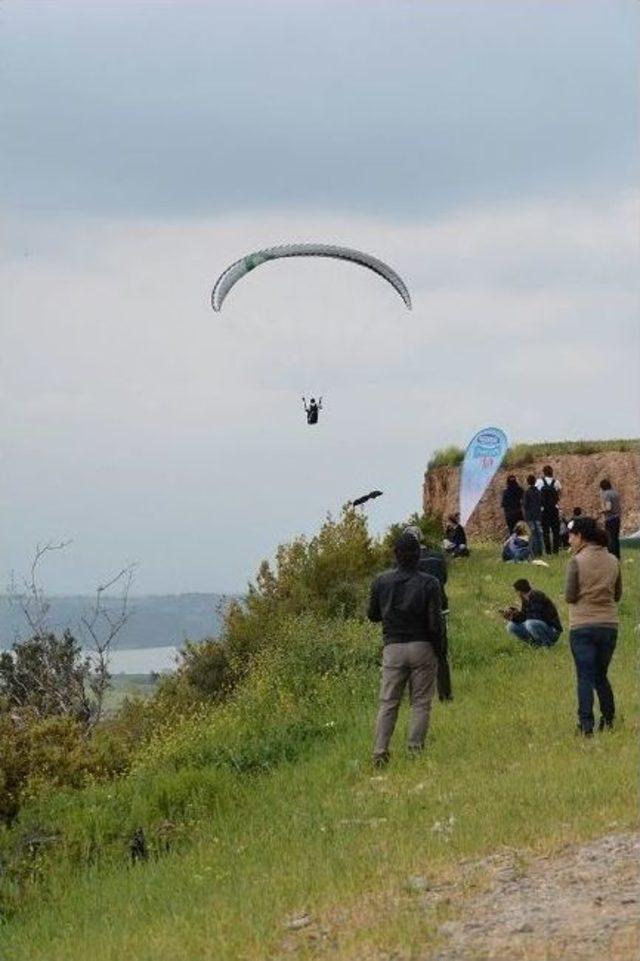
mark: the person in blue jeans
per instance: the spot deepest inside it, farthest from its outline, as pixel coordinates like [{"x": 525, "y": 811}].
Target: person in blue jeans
[
  {"x": 592, "y": 590},
  {"x": 537, "y": 622},
  {"x": 532, "y": 507},
  {"x": 517, "y": 546}
]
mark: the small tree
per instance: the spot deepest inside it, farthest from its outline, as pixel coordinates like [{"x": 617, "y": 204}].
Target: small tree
[{"x": 48, "y": 674}]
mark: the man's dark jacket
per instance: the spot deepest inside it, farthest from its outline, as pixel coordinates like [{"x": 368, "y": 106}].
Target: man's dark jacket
[
  {"x": 532, "y": 504},
  {"x": 408, "y": 603},
  {"x": 538, "y": 607},
  {"x": 434, "y": 563}
]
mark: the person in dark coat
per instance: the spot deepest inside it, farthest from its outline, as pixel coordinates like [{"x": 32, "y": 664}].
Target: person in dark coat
[
  {"x": 432, "y": 561},
  {"x": 455, "y": 538},
  {"x": 312, "y": 410},
  {"x": 512, "y": 502},
  {"x": 408, "y": 604},
  {"x": 550, "y": 490},
  {"x": 537, "y": 622},
  {"x": 532, "y": 509}
]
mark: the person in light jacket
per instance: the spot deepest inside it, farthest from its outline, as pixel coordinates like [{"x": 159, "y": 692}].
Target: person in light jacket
[{"x": 592, "y": 590}]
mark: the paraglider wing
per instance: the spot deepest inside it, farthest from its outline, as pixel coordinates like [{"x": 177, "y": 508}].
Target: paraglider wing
[
  {"x": 241, "y": 267},
  {"x": 366, "y": 497},
  {"x": 484, "y": 455}
]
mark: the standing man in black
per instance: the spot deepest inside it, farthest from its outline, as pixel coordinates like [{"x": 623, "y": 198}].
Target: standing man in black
[
  {"x": 550, "y": 489},
  {"x": 532, "y": 508},
  {"x": 512, "y": 503},
  {"x": 408, "y": 604},
  {"x": 433, "y": 562}
]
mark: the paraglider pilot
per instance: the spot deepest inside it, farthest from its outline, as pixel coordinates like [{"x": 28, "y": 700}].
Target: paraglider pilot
[{"x": 312, "y": 410}]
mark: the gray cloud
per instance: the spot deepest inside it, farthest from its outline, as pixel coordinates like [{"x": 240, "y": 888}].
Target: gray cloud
[
  {"x": 389, "y": 108},
  {"x": 145, "y": 427}
]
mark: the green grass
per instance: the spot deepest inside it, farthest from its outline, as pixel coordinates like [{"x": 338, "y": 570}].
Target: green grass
[
  {"x": 522, "y": 454},
  {"x": 275, "y": 810}
]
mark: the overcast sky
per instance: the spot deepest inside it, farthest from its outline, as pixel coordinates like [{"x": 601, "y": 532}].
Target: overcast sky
[{"x": 486, "y": 150}]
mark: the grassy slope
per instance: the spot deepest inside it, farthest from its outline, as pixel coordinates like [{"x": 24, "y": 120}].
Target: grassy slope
[
  {"x": 521, "y": 454},
  {"x": 323, "y": 834}
]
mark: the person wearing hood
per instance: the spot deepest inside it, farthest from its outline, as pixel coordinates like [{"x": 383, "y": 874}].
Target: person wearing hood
[
  {"x": 512, "y": 502},
  {"x": 408, "y": 604},
  {"x": 593, "y": 588},
  {"x": 432, "y": 561}
]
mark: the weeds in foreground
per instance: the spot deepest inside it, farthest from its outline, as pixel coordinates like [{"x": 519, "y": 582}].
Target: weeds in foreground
[{"x": 277, "y": 812}]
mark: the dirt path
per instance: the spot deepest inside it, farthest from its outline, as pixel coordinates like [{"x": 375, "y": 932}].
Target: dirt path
[{"x": 580, "y": 905}]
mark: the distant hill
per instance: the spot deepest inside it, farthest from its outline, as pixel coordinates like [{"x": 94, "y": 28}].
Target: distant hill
[{"x": 155, "y": 621}]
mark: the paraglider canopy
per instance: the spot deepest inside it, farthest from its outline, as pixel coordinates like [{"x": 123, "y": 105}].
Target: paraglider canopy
[{"x": 241, "y": 267}]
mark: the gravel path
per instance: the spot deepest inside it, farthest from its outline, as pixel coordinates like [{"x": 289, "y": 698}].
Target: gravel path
[{"x": 580, "y": 905}]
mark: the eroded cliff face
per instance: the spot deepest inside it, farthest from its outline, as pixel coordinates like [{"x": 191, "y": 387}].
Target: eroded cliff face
[{"x": 579, "y": 474}]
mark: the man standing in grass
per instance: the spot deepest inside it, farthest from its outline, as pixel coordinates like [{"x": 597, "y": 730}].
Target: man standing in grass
[
  {"x": 432, "y": 561},
  {"x": 408, "y": 604},
  {"x": 550, "y": 489},
  {"x": 532, "y": 508},
  {"x": 537, "y": 622},
  {"x": 611, "y": 512}
]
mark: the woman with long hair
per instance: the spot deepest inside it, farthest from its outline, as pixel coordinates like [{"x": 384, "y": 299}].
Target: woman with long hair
[{"x": 592, "y": 591}]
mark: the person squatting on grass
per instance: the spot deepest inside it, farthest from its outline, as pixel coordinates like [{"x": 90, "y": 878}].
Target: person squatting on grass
[
  {"x": 408, "y": 604},
  {"x": 432, "y": 561},
  {"x": 537, "y": 622},
  {"x": 593, "y": 588}
]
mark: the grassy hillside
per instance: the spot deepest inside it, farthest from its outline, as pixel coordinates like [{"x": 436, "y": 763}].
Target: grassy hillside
[
  {"x": 267, "y": 807},
  {"x": 521, "y": 454}
]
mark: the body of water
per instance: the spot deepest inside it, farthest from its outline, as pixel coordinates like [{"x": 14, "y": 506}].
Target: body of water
[{"x": 143, "y": 660}]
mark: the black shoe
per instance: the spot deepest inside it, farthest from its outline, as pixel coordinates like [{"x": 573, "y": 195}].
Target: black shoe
[
  {"x": 583, "y": 732},
  {"x": 380, "y": 760},
  {"x": 605, "y": 724}
]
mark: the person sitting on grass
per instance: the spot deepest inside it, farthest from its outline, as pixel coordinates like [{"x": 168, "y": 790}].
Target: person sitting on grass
[
  {"x": 455, "y": 538},
  {"x": 537, "y": 622},
  {"x": 517, "y": 546},
  {"x": 564, "y": 525}
]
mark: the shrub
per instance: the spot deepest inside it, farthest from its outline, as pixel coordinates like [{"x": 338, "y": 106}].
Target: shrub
[
  {"x": 49, "y": 676},
  {"x": 446, "y": 457},
  {"x": 39, "y": 755}
]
